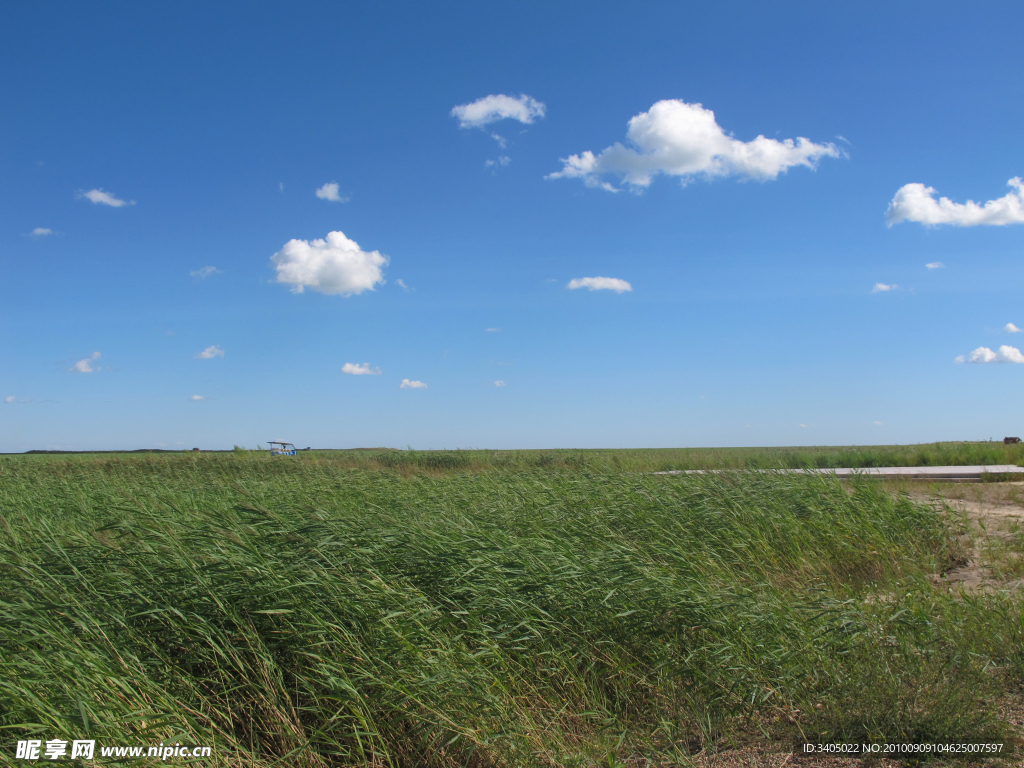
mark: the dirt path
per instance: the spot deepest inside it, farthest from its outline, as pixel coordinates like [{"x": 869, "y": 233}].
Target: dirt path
[{"x": 995, "y": 541}]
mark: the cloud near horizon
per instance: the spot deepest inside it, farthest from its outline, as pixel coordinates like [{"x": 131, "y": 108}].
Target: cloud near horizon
[
  {"x": 406, "y": 384},
  {"x": 684, "y": 140},
  {"x": 332, "y": 266},
  {"x": 99, "y": 197},
  {"x": 360, "y": 369},
  {"x": 1005, "y": 354},
  {"x": 85, "y": 365},
  {"x": 599, "y": 284},
  {"x": 916, "y": 202},
  {"x": 495, "y": 107},
  {"x": 209, "y": 353},
  {"x": 330, "y": 192}
]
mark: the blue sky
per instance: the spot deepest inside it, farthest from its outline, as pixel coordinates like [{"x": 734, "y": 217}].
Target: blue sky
[{"x": 757, "y": 292}]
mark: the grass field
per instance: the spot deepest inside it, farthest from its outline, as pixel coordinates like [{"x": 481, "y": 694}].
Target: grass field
[
  {"x": 660, "y": 459},
  {"x": 489, "y": 609}
]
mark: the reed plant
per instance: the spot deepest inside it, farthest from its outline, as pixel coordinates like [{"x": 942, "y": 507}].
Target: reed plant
[{"x": 313, "y": 613}]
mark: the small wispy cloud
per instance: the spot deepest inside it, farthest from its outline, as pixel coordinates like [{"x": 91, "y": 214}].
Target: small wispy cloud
[
  {"x": 493, "y": 330},
  {"x": 500, "y": 383},
  {"x": 360, "y": 369},
  {"x": 882, "y": 288},
  {"x": 330, "y": 192},
  {"x": 209, "y": 353},
  {"x": 1011, "y": 328},
  {"x": 99, "y": 197},
  {"x": 10, "y": 399},
  {"x": 407, "y": 384},
  {"x": 41, "y": 232},
  {"x": 935, "y": 265},
  {"x": 877, "y": 423},
  {"x": 495, "y": 107},
  {"x": 502, "y": 161},
  {"x": 86, "y": 364},
  {"x": 198, "y": 397},
  {"x": 599, "y": 284},
  {"x": 402, "y": 285},
  {"x": 1005, "y": 354},
  {"x": 204, "y": 272}
]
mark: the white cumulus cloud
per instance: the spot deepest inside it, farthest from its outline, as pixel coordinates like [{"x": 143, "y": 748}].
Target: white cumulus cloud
[
  {"x": 197, "y": 397},
  {"x": 1005, "y": 354},
  {"x": 600, "y": 284},
  {"x": 496, "y": 107},
  {"x": 210, "y": 352},
  {"x": 85, "y": 365},
  {"x": 100, "y": 197},
  {"x": 1011, "y": 328},
  {"x": 916, "y": 202},
  {"x": 360, "y": 369},
  {"x": 334, "y": 266},
  {"x": 204, "y": 272},
  {"x": 684, "y": 140},
  {"x": 41, "y": 232},
  {"x": 882, "y": 288},
  {"x": 406, "y": 384},
  {"x": 330, "y": 192},
  {"x": 935, "y": 265}
]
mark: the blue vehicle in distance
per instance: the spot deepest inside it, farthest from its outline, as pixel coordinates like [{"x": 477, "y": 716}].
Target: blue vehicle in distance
[{"x": 277, "y": 448}]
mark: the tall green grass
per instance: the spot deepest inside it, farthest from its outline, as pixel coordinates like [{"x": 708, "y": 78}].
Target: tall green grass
[{"x": 311, "y": 613}]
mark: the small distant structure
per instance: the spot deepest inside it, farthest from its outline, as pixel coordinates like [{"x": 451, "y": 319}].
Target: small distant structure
[
  {"x": 277, "y": 448},
  {"x": 1010, "y": 440},
  {"x": 196, "y": 450}
]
